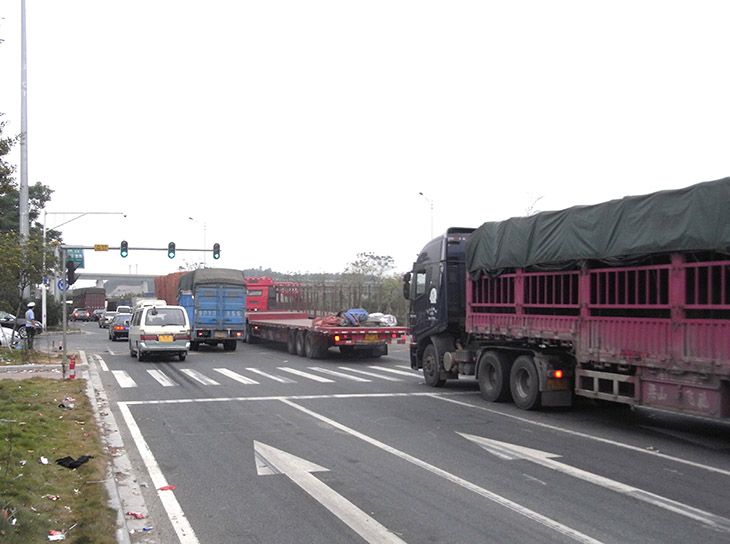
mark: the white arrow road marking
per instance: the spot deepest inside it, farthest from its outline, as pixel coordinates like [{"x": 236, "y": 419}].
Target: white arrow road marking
[
  {"x": 510, "y": 452},
  {"x": 270, "y": 460},
  {"x": 489, "y": 495}
]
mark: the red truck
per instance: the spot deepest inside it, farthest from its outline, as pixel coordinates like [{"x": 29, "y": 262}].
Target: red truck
[
  {"x": 303, "y": 332},
  {"x": 625, "y": 301}
]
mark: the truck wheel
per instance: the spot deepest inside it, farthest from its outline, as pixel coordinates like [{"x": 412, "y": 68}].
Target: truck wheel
[
  {"x": 250, "y": 336},
  {"x": 300, "y": 344},
  {"x": 229, "y": 345},
  {"x": 524, "y": 383},
  {"x": 494, "y": 376},
  {"x": 182, "y": 355},
  {"x": 291, "y": 342},
  {"x": 431, "y": 367}
]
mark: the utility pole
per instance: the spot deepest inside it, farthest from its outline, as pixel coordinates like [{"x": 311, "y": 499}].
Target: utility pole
[{"x": 23, "y": 205}]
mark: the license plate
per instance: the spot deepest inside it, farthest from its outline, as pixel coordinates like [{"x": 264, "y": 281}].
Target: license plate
[
  {"x": 165, "y": 338},
  {"x": 371, "y": 338},
  {"x": 557, "y": 385},
  {"x": 220, "y": 335}
]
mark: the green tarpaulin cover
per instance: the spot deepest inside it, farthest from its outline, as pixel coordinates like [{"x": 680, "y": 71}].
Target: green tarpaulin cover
[
  {"x": 691, "y": 219},
  {"x": 209, "y": 276}
]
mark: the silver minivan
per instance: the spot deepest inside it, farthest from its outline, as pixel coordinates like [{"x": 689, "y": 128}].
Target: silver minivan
[{"x": 159, "y": 330}]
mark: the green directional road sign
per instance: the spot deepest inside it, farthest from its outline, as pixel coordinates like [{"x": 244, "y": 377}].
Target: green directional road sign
[{"x": 77, "y": 256}]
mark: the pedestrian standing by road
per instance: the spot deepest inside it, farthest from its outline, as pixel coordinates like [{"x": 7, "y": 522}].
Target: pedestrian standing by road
[{"x": 29, "y": 325}]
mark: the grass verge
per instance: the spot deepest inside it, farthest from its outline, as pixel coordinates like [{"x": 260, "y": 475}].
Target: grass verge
[{"x": 37, "y": 498}]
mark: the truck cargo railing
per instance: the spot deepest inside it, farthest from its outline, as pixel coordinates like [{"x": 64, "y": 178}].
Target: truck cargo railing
[{"x": 671, "y": 314}]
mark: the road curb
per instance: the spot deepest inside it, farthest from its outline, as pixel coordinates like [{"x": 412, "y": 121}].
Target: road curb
[{"x": 124, "y": 490}]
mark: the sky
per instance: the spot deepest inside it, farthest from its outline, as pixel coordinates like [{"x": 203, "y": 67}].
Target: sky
[{"x": 298, "y": 134}]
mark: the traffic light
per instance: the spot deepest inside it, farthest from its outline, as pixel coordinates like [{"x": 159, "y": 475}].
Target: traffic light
[
  {"x": 71, "y": 275},
  {"x": 124, "y": 250},
  {"x": 171, "y": 250},
  {"x": 216, "y": 251}
]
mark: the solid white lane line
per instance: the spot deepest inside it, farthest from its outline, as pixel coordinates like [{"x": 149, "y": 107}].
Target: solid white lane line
[
  {"x": 175, "y": 513},
  {"x": 498, "y": 499}
]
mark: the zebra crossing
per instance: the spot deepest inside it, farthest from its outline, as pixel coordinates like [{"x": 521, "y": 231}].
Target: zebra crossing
[{"x": 257, "y": 376}]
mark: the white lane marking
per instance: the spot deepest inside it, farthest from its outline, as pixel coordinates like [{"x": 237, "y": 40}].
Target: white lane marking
[
  {"x": 175, "y": 513},
  {"x": 236, "y": 376},
  {"x": 123, "y": 379},
  {"x": 406, "y": 367},
  {"x": 498, "y": 499},
  {"x": 270, "y": 376},
  {"x": 338, "y": 374},
  {"x": 161, "y": 378},
  {"x": 306, "y": 375},
  {"x": 510, "y": 452},
  {"x": 372, "y": 374},
  {"x": 270, "y": 460},
  {"x": 102, "y": 364},
  {"x": 198, "y": 377},
  {"x": 584, "y": 435},
  {"x": 412, "y": 374}
]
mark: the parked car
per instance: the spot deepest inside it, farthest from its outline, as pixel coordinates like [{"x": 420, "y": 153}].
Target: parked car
[
  {"x": 159, "y": 331},
  {"x": 96, "y": 314},
  {"x": 106, "y": 318},
  {"x": 9, "y": 322},
  {"x": 80, "y": 314},
  {"x": 119, "y": 327}
]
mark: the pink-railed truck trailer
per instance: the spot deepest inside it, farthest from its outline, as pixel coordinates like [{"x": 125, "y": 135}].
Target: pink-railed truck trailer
[{"x": 625, "y": 301}]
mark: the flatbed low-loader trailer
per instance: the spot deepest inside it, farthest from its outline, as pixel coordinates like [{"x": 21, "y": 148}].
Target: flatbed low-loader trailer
[
  {"x": 309, "y": 337},
  {"x": 626, "y": 301}
]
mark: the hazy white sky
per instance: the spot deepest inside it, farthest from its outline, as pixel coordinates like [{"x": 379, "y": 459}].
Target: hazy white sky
[{"x": 298, "y": 134}]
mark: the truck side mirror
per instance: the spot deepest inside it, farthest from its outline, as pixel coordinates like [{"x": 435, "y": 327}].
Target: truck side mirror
[{"x": 407, "y": 286}]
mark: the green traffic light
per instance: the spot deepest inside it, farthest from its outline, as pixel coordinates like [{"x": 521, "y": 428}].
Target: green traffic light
[
  {"x": 124, "y": 251},
  {"x": 216, "y": 251},
  {"x": 171, "y": 250}
]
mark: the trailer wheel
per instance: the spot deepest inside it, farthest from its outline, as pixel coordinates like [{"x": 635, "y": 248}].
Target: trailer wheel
[
  {"x": 524, "y": 383},
  {"x": 182, "y": 355},
  {"x": 431, "y": 367},
  {"x": 494, "y": 376},
  {"x": 229, "y": 345},
  {"x": 291, "y": 342},
  {"x": 300, "y": 343}
]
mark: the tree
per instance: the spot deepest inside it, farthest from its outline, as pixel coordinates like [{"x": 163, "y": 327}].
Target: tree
[
  {"x": 367, "y": 274},
  {"x": 21, "y": 264}
]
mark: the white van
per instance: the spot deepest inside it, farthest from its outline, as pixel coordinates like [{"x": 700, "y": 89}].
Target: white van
[{"x": 159, "y": 330}]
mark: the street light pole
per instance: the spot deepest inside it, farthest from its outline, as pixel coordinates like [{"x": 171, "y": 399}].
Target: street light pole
[
  {"x": 431, "y": 203},
  {"x": 44, "y": 296}
]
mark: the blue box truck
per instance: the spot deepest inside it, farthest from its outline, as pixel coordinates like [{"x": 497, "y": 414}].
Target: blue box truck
[{"x": 215, "y": 300}]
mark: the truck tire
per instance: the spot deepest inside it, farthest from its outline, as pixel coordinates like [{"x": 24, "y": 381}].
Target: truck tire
[
  {"x": 182, "y": 355},
  {"x": 229, "y": 345},
  {"x": 432, "y": 367},
  {"x": 300, "y": 343},
  {"x": 315, "y": 346},
  {"x": 494, "y": 375},
  {"x": 525, "y": 383},
  {"x": 291, "y": 342}
]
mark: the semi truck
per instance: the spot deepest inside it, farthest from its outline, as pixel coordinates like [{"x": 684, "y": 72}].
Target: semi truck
[
  {"x": 90, "y": 298},
  {"x": 215, "y": 301},
  {"x": 302, "y": 317},
  {"x": 309, "y": 336},
  {"x": 626, "y": 301}
]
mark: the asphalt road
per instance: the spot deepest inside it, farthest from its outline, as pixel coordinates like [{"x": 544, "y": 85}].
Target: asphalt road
[{"x": 265, "y": 447}]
